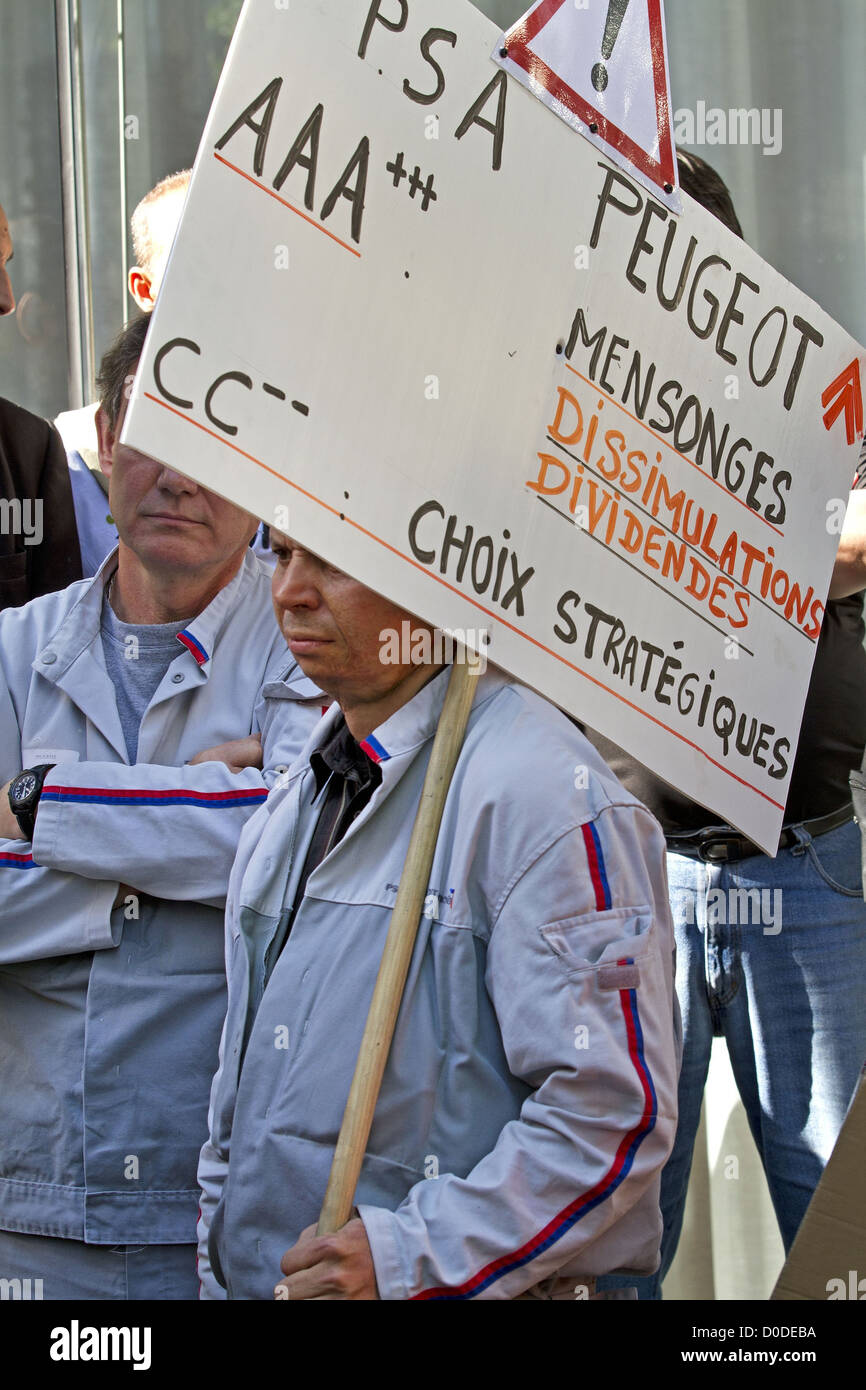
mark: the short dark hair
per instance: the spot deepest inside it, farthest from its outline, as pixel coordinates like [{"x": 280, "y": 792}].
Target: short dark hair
[
  {"x": 117, "y": 368},
  {"x": 142, "y": 237},
  {"x": 708, "y": 188}
]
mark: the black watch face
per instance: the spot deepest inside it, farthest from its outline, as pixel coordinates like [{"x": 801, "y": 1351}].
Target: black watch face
[{"x": 24, "y": 786}]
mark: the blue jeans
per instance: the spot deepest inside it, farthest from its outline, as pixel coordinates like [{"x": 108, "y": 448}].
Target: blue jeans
[{"x": 782, "y": 977}]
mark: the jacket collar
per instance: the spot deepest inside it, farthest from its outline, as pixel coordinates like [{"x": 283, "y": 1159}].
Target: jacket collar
[
  {"x": 276, "y": 875},
  {"x": 73, "y": 660},
  {"x": 78, "y": 627},
  {"x": 416, "y": 721},
  {"x": 408, "y": 728},
  {"x": 81, "y": 625},
  {"x": 199, "y": 637}
]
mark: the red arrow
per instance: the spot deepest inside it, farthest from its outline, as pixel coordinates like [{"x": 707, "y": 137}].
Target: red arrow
[{"x": 845, "y": 390}]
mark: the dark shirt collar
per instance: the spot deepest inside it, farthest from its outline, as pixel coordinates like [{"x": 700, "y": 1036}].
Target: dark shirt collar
[{"x": 342, "y": 754}]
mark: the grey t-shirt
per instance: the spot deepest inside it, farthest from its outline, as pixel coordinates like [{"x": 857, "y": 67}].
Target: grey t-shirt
[{"x": 137, "y": 657}]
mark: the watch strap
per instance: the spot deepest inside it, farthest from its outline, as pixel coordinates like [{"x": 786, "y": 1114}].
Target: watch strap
[{"x": 26, "y": 814}]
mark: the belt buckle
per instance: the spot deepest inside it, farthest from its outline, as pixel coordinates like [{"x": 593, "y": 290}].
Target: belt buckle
[{"x": 723, "y": 844}]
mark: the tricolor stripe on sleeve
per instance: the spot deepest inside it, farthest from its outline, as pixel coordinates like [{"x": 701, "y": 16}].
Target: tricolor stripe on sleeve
[
  {"x": 597, "y": 871},
  {"x": 112, "y": 796},
  {"x": 587, "y": 1201},
  {"x": 17, "y": 861}
]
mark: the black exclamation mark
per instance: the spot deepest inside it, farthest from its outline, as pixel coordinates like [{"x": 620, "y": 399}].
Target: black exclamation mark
[{"x": 615, "y": 15}]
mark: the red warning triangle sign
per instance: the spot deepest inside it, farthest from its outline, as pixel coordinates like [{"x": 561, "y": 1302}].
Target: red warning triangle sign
[{"x": 602, "y": 67}]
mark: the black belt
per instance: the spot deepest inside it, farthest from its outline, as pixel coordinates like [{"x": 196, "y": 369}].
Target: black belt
[{"x": 720, "y": 844}]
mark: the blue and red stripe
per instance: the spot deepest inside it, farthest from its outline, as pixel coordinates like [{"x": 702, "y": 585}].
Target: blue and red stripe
[
  {"x": 194, "y": 646},
  {"x": 597, "y": 871},
  {"x": 587, "y": 1201},
  {"x": 17, "y": 861},
  {"x": 374, "y": 749},
  {"x": 112, "y": 796}
]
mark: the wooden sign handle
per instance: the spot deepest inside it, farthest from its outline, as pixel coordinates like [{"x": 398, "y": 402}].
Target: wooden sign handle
[{"x": 400, "y": 941}]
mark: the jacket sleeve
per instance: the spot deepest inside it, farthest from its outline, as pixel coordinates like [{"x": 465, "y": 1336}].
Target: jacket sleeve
[
  {"x": 212, "y": 1171},
  {"x": 43, "y": 913},
  {"x": 213, "y": 1164},
  {"x": 172, "y": 832},
  {"x": 168, "y": 831},
  {"x": 580, "y": 974}
]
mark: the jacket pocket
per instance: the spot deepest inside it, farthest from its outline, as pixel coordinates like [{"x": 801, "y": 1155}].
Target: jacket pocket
[{"x": 598, "y": 940}]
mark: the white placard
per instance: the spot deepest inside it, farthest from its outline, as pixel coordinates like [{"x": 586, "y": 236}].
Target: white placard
[{"x": 413, "y": 320}]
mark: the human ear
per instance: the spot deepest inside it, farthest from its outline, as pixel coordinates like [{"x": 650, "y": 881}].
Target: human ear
[
  {"x": 106, "y": 436},
  {"x": 141, "y": 288}
]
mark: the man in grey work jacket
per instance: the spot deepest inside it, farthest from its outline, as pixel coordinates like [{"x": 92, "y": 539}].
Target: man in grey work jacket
[
  {"x": 133, "y": 703},
  {"x": 529, "y": 1100}
]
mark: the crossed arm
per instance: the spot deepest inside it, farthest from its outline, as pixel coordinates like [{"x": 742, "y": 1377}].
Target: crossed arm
[
  {"x": 238, "y": 754},
  {"x": 106, "y": 830}
]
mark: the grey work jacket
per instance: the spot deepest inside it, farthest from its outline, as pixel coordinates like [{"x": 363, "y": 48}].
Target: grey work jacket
[
  {"x": 529, "y": 1100},
  {"x": 110, "y": 1016}
]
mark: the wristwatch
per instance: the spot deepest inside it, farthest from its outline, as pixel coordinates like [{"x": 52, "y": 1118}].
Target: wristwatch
[{"x": 24, "y": 793}]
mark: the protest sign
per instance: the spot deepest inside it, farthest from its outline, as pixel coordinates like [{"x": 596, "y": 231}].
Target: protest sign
[{"x": 417, "y": 322}]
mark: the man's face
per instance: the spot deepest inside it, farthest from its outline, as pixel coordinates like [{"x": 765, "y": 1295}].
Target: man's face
[
  {"x": 167, "y": 520},
  {"x": 333, "y": 626},
  {"x": 7, "y": 298}
]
